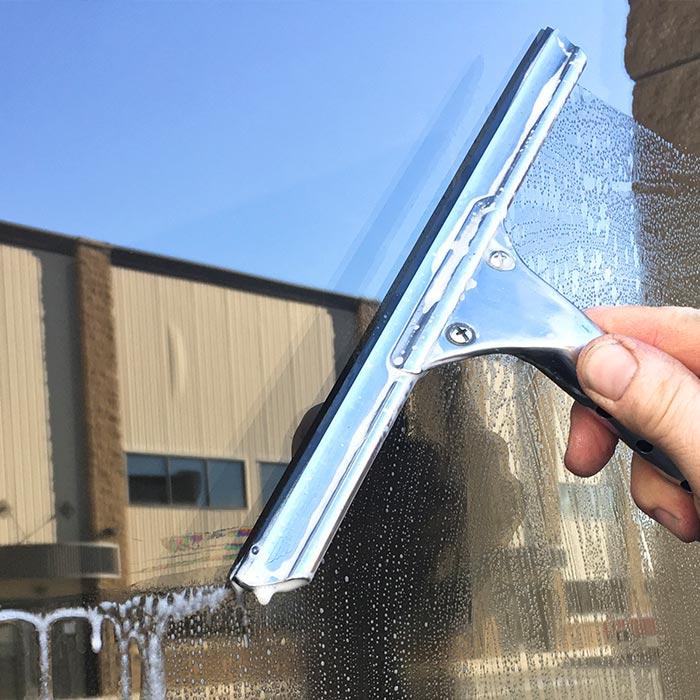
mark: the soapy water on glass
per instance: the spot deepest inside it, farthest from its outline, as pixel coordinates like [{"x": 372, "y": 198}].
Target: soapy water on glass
[
  {"x": 142, "y": 619},
  {"x": 428, "y": 591}
]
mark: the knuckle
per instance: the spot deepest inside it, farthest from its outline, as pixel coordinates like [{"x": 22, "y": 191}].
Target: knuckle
[
  {"x": 641, "y": 501},
  {"x": 664, "y": 403},
  {"x": 678, "y": 320},
  {"x": 687, "y": 314}
]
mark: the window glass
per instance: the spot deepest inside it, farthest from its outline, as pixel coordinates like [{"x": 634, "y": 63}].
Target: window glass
[
  {"x": 17, "y": 666},
  {"x": 148, "y": 479},
  {"x": 470, "y": 564},
  {"x": 226, "y": 483},
  {"x": 596, "y": 500},
  {"x": 188, "y": 481},
  {"x": 270, "y": 474}
]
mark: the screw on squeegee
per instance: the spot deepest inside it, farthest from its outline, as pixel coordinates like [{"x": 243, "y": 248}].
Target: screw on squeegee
[
  {"x": 501, "y": 260},
  {"x": 460, "y": 334}
]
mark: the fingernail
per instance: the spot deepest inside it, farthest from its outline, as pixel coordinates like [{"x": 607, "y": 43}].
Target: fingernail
[
  {"x": 663, "y": 517},
  {"x": 608, "y": 369}
]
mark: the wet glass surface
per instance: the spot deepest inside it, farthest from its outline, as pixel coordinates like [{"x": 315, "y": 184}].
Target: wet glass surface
[{"x": 470, "y": 562}]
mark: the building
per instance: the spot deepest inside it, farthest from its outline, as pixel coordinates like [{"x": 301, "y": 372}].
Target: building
[
  {"x": 662, "y": 56},
  {"x": 149, "y": 406},
  {"x": 138, "y": 441}
]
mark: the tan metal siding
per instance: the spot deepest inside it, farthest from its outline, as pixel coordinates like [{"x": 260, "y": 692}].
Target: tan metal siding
[
  {"x": 152, "y": 529},
  {"x": 25, "y": 453},
  {"x": 207, "y": 371}
]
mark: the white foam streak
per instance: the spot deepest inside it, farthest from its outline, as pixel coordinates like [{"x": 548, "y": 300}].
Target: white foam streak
[{"x": 142, "y": 619}]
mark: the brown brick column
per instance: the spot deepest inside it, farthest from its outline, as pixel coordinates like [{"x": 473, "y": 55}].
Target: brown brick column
[
  {"x": 107, "y": 487},
  {"x": 106, "y": 474},
  {"x": 366, "y": 309},
  {"x": 663, "y": 58}
]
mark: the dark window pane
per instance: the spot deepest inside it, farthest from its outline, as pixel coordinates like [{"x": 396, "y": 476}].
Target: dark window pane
[
  {"x": 187, "y": 481},
  {"x": 226, "y": 484},
  {"x": 147, "y": 479},
  {"x": 270, "y": 474},
  {"x": 71, "y": 657},
  {"x": 19, "y": 655}
]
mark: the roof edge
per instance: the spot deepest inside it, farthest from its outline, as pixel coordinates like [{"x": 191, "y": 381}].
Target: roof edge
[{"x": 30, "y": 237}]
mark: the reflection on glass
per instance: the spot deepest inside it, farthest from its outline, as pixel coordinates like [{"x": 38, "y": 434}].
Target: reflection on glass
[
  {"x": 470, "y": 564},
  {"x": 71, "y": 657},
  {"x": 148, "y": 479},
  {"x": 212, "y": 483},
  {"x": 595, "y": 499},
  {"x": 18, "y": 661},
  {"x": 270, "y": 474},
  {"x": 188, "y": 481},
  {"x": 226, "y": 483}
]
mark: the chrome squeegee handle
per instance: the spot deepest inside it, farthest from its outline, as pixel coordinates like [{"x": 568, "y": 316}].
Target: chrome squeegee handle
[
  {"x": 291, "y": 536},
  {"x": 296, "y": 527},
  {"x": 507, "y": 308}
]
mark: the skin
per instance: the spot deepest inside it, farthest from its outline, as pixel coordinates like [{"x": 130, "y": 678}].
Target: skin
[{"x": 657, "y": 396}]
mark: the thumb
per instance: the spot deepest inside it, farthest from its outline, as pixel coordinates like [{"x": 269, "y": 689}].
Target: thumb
[{"x": 649, "y": 392}]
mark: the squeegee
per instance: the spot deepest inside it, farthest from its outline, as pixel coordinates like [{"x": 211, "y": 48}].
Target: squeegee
[{"x": 462, "y": 292}]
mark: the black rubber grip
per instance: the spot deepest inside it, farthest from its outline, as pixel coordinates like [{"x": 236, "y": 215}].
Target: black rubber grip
[
  {"x": 560, "y": 368},
  {"x": 642, "y": 447}
]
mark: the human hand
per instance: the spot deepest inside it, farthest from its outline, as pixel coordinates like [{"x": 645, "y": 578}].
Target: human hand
[{"x": 644, "y": 372}]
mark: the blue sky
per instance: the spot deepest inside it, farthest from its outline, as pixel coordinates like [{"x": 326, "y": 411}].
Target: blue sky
[{"x": 299, "y": 141}]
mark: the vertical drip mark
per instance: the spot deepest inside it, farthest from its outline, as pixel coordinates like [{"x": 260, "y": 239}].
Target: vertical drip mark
[{"x": 143, "y": 619}]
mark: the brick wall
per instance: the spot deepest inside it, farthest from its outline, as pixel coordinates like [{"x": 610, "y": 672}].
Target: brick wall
[
  {"x": 106, "y": 485},
  {"x": 662, "y": 56}
]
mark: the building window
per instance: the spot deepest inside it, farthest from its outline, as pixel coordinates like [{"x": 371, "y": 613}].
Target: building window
[
  {"x": 186, "y": 481},
  {"x": 226, "y": 484},
  {"x": 148, "y": 479},
  {"x": 270, "y": 474}
]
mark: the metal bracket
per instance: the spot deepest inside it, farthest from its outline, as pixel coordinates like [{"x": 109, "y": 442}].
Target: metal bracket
[
  {"x": 510, "y": 309},
  {"x": 507, "y": 308},
  {"x": 462, "y": 291}
]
